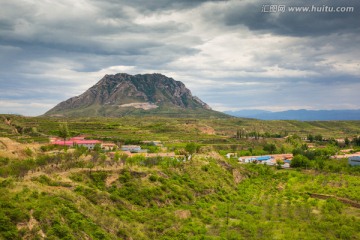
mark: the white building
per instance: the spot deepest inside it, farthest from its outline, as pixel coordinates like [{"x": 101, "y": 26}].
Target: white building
[{"x": 354, "y": 160}]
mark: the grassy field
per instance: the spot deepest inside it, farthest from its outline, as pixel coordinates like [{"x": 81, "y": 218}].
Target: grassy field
[
  {"x": 169, "y": 129},
  {"x": 205, "y": 198},
  {"x": 48, "y": 193}
]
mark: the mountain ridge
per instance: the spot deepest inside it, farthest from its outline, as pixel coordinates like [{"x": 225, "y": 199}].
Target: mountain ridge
[
  {"x": 300, "y": 114},
  {"x": 141, "y": 94}
]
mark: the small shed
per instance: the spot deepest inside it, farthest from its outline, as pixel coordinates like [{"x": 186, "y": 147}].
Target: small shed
[{"x": 354, "y": 160}]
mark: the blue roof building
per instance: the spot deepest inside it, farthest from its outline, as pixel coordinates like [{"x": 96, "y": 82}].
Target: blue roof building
[
  {"x": 263, "y": 158},
  {"x": 354, "y": 160}
]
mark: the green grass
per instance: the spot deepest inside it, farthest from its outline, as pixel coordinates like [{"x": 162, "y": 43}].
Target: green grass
[
  {"x": 199, "y": 199},
  {"x": 73, "y": 196},
  {"x": 170, "y": 129}
]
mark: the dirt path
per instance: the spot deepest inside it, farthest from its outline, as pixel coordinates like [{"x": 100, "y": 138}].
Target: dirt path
[
  {"x": 343, "y": 200},
  {"x": 64, "y": 174}
]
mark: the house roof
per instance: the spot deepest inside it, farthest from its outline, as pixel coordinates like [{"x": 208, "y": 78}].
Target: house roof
[
  {"x": 63, "y": 143},
  {"x": 72, "y": 142},
  {"x": 86, "y": 141},
  {"x": 263, "y": 158}
]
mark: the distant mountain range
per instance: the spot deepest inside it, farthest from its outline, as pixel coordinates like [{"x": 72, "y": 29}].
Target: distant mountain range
[
  {"x": 301, "y": 115},
  {"x": 123, "y": 94}
]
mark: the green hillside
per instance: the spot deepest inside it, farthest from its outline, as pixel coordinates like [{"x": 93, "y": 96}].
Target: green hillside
[
  {"x": 49, "y": 192},
  {"x": 162, "y": 111},
  {"x": 205, "y": 198},
  {"x": 164, "y": 128}
]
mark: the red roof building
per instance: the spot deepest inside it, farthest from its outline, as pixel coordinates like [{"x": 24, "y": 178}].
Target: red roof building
[{"x": 79, "y": 141}]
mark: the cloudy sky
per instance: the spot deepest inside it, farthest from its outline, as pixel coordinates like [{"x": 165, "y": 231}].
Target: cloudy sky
[{"x": 240, "y": 54}]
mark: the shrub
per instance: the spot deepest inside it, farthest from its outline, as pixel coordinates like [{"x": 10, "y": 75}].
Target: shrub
[
  {"x": 300, "y": 161},
  {"x": 7, "y": 228},
  {"x": 153, "y": 178}
]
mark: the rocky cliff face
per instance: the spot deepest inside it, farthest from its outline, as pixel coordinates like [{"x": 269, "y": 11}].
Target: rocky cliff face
[{"x": 123, "y": 91}]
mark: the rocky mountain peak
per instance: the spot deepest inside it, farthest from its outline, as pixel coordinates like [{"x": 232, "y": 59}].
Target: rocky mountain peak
[{"x": 122, "y": 90}]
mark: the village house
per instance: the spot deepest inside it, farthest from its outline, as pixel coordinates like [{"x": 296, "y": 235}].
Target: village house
[
  {"x": 75, "y": 141},
  {"x": 259, "y": 159},
  {"x": 67, "y": 143},
  {"x": 268, "y": 159},
  {"x": 89, "y": 144},
  {"x": 133, "y": 149},
  {"x": 354, "y": 160}
]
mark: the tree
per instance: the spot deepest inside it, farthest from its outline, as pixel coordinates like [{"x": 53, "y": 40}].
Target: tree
[
  {"x": 94, "y": 158},
  {"x": 279, "y": 163},
  {"x": 356, "y": 141},
  {"x": 64, "y": 131},
  {"x": 318, "y": 138},
  {"x": 270, "y": 148},
  {"x": 97, "y": 147},
  {"x": 300, "y": 161},
  {"x": 310, "y": 138},
  {"x": 116, "y": 157},
  {"x": 192, "y": 148},
  {"x": 135, "y": 160}
]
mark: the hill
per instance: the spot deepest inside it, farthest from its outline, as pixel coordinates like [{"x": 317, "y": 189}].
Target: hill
[
  {"x": 123, "y": 94},
  {"x": 301, "y": 115},
  {"x": 64, "y": 196},
  {"x": 47, "y": 192}
]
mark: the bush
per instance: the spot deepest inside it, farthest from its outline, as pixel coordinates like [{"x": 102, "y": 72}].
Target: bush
[
  {"x": 99, "y": 178},
  {"x": 300, "y": 161},
  {"x": 270, "y": 148},
  {"x": 7, "y": 228},
  {"x": 153, "y": 178},
  {"x": 28, "y": 152},
  {"x": 192, "y": 148},
  {"x": 331, "y": 205},
  {"x": 136, "y": 160}
]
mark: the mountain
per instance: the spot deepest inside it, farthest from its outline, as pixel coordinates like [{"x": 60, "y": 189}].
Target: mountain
[
  {"x": 247, "y": 113},
  {"x": 302, "y": 115},
  {"x": 123, "y": 94}
]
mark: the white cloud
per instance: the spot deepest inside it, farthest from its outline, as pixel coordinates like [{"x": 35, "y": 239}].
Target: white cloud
[{"x": 25, "y": 107}]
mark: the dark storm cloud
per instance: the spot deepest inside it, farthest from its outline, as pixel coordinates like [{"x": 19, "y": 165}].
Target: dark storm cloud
[
  {"x": 105, "y": 31},
  {"x": 290, "y": 23},
  {"x": 226, "y": 52},
  {"x": 96, "y": 35},
  {"x": 155, "y": 6}
]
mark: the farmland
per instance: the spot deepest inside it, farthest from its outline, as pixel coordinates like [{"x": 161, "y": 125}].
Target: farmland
[{"x": 60, "y": 193}]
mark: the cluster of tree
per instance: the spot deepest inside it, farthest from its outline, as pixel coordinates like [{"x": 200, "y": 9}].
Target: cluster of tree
[
  {"x": 325, "y": 152},
  {"x": 355, "y": 141},
  {"x": 270, "y": 148},
  {"x": 319, "y": 159},
  {"x": 242, "y": 133},
  {"x": 317, "y": 138}
]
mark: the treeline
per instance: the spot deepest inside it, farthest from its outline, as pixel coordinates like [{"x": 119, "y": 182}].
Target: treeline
[{"x": 242, "y": 133}]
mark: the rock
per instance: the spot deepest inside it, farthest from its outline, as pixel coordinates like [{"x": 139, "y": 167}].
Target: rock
[{"x": 115, "y": 94}]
